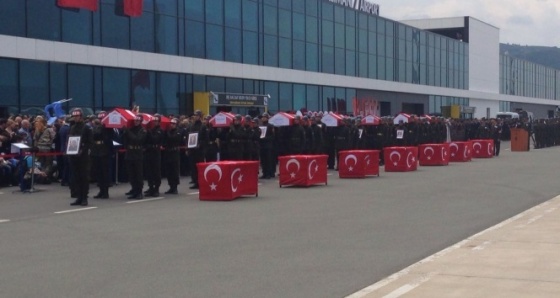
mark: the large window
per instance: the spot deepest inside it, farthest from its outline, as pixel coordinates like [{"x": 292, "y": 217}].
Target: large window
[
  {"x": 34, "y": 80},
  {"x": 117, "y": 87},
  {"x": 9, "y": 87},
  {"x": 80, "y": 88}
]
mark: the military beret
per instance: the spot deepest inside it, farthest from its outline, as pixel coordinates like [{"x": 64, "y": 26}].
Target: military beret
[
  {"x": 238, "y": 117},
  {"x": 198, "y": 113},
  {"x": 101, "y": 115}
]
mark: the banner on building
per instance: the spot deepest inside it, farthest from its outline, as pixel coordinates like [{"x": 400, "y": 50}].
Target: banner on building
[
  {"x": 133, "y": 8},
  {"x": 86, "y": 4}
]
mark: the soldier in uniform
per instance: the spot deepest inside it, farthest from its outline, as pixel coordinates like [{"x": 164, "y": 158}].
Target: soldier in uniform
[
  {"x": 236, "y": 139},
  {"x": 196, "y": 155},
  {"x": 79, "y": 163},
  {"x": 173, "y": 139},
  {"x": 212, "y": 149},
  {"x": 154, "y": 140},
  {"x": 317, "y": 143},
  {"x": 297, "y": 139},
  {"x": 342, "y": 140},
  {"x": 101, "y": 153},
  {"x": 133, "y": 140},
  {"x": 266, "y": 148}
]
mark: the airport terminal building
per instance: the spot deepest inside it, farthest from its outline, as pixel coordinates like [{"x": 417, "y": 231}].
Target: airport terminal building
[{"x": 327, "y": 55}]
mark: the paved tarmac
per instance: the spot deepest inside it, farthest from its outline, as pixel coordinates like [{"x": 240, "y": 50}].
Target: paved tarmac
[
  {"x": 519, "y": 257},
  {"x": 324, "y": 241}
]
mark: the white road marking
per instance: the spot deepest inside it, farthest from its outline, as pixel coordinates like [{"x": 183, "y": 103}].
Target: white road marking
[
  {"x": 409, "y": 287},
  {"x": 75, "y": 210},
  {"x": 144, "y": 200},
  {"x": 192, "y": 193},
  {"x": 1, "y": 193},
  {"x": 378, "y": 285},
  {"x": 4, "y": 220},
  {"x": 330, "y": 174}
]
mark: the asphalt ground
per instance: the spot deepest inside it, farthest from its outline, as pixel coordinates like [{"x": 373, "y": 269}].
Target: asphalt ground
[{"x": 321, "y": 241}]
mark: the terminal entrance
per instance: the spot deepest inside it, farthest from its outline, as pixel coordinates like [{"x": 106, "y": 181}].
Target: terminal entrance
[{"x": 211, "y": 103}]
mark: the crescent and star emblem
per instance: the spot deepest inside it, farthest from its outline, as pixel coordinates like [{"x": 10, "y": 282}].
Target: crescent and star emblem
[
  {"x": 429, "y": 149},
  {"x": 240, "y": 179},
  {"x": 408, "y": 159},
  {"x": 310, "y": 168},
  {"x": 490, "y": 149},
  {"x": 367, "y": 159},
  {"x": 352, "y": 157},
  {"x": 454, "y": 145},
  {"x": 479, "y": 147},
  {"x": 293, "y": 161},
  {"x": 391, "y": 157},
  {"x": 213, "y": 167}
]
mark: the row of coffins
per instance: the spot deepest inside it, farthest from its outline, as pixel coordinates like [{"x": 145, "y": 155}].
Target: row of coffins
[{"x": 228, "y": 180}]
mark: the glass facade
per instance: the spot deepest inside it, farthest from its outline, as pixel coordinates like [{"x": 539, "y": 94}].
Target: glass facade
[
  {"x": 523, "y": 78},
  {"x": 309, "y": 35}
]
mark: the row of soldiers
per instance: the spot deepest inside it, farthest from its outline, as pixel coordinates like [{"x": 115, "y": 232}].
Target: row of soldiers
[{"x": 256, "y": 139}]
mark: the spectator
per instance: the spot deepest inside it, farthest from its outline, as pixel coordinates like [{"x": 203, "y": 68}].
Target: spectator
[{"x": 43, "y": 141}]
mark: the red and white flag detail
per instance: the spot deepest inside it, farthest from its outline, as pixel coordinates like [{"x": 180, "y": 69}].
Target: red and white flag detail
[
  {"x": 434, "y": 154},
  {"x": 86, "y": 4},
  {"x": 133, "y": 8},
  {"x": 400, "y": 159},
  {"x": 227, "y": 180},
  {"x": 302, "y": 170}
]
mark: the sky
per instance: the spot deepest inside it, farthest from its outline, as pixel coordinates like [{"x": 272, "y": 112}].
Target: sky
[{"x": 523, "y": 22}]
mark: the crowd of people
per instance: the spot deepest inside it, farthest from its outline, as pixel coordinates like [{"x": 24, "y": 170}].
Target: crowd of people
[{"x": 150, "y": 153}]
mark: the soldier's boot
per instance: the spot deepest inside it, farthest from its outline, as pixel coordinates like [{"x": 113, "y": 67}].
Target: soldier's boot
[
  {"x": 150, "y": 191},
  {"x": 130, "y": 192},
  {"x": 84, "y": 201},
  {"x": 155, "y": 192},
  {"x": 77, "y": 202},
  {"x": 172, "y": 190}
]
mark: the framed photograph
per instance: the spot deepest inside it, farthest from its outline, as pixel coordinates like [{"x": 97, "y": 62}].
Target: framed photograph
[
  {"x": 263, "y": 131},
  {"x": 400, "y": 134},
  {"x": 193, "y": 140},
  {"x": 73, "y": 146}
]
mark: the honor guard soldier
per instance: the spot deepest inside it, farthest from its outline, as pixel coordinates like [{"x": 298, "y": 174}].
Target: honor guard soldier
[
  {"x": 267, "y": 149},
  {"x": 249, "y": 149},
  {"x": 80, "y": 162},
  {"x": 236, "y": 139},
  {"x": 196, "y": 154},
  {"x": 101, "y": 151},
  {"x": 154, "y": 140},
  {"x": 173, "y": 140},
  {"x": 213, "y": 147},
  {"x": 133, "y": 140},
  {"x": 317, "y": 143},
  {"x": 297, "y": 139}
]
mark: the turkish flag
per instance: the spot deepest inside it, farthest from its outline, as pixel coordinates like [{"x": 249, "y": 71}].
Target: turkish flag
[
  {"x": 133, "y": 8},
  {"x": 87, "y": 4},
  {"x": 434, "y": 154},
  {"x": 227, "y": 180},
  {"x": 304, "y": 170},
  {"x": 460, "y": 151},
  {"x": 358, "y": 163},
  {"x": 400, "y": 159}
]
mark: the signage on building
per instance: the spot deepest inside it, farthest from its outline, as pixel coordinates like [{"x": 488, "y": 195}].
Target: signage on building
[
  {"x": 361, "y": 5},
  {"x": 234, "y": 99}
]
